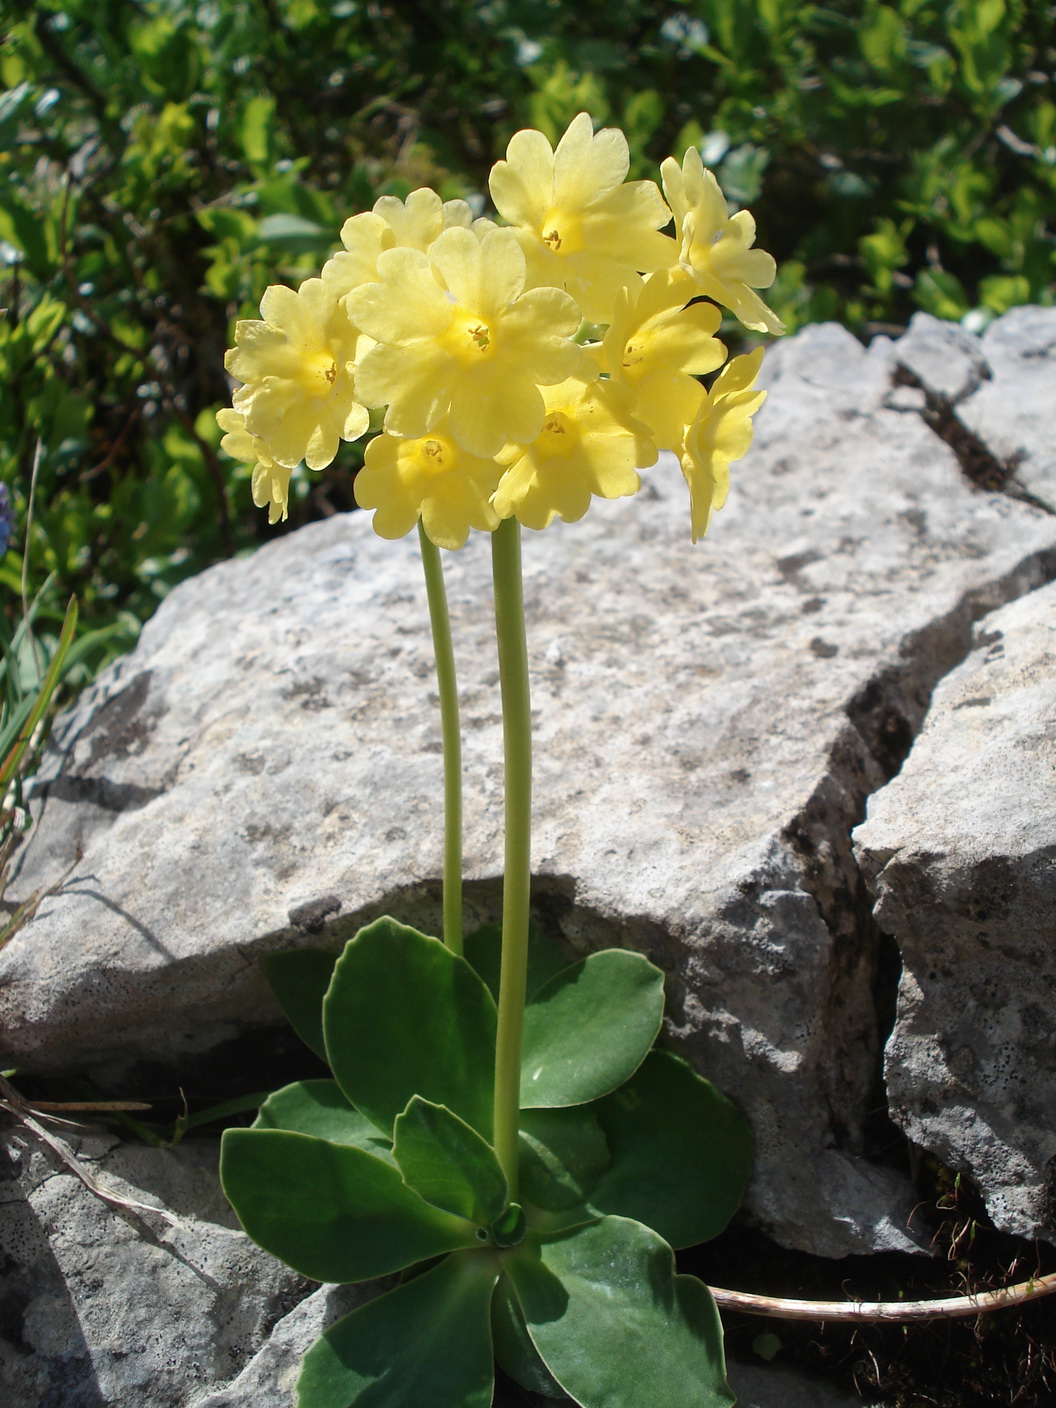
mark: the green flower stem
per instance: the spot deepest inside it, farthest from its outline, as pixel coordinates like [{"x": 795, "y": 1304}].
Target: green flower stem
[
  {"x": 451, "y": 732},
  {"x": 517, "y": 744}
]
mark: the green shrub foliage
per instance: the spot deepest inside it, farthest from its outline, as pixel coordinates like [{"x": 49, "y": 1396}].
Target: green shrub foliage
[{"x": 164, "y": 161}]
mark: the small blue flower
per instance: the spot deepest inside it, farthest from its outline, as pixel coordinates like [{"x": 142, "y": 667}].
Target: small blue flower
[{"x": 7, "y": 519}]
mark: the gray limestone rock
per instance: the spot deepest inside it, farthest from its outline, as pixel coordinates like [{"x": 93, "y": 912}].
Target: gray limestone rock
[
  {"x": 945, "y": 359},
  {"x": 115, "y": 1308},
  {"x": 264, "y": 770},
  {"x": 960, "y": 849},
  {"x": 1015, "y": 412},
  {"x": 1000, "y": 389}
]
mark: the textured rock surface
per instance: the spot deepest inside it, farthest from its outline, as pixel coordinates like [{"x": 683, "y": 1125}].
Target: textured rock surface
[
  {"x": 1001, "y": 389},
  {"x": 961, "y": 851},
  {"x": 264, "y": 769},
  {"x": 1014, "y": 412},
  {"x": 106, "y": 1308}
]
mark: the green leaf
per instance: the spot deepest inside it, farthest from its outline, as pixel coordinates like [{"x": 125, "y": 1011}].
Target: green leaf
[
  {"x": 483, "y": 952},
  {"x": 404, "y": 1016},
  {"x": 240, "y": 1105},
  {"x": 318, "y": 1108},
  {"x": 448, "y": 1164},
  {"x": 513, "y": 1344},
  {"x": 563, "y": 1154},
  {"x": 255, "y": 128},
  {"x": 588, "y": 1029},
  {"x": 940, "y": 293},
  {"x": 680, "y": 1152},
  {"x": 15, "y": 750},
  {"x": 613, "y": 1323},
  {"x": 426, "y": 1342},
  {"x": 295, "y": 235},
  {"x": 331, "y": 1211},
  {"x": 299, "y": 979}
]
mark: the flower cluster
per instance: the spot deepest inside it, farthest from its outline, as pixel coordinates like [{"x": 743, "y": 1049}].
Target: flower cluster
[{"x": 472, "y": 337}]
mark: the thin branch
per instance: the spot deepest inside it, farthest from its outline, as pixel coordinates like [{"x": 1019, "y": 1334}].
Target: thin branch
[
  {"x": 13, "y": 1103},
  {"x": 115, "y": 449},
  {"x": 85, "y": 1107},
  {"x": 24, "y": 912},
  {"x": 896, "y": 1311}
]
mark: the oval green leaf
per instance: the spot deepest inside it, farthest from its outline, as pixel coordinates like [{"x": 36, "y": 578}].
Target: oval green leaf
[
  {"x": 319, "y": 1108},
  {"x": 614, "y": 1325},
  {"x": 681, "y": 1152},
  {"x": 563, "y": 1153},
  {"x": 447, "y": 1163},
  {"x": 403, "y": 1016},
  {"x": 299, "y": 979},
  {"x": 426, "y": 1342},
  {"x": 331, "y": 1211},
  {"x": 589, "y": 1028},
  {"x": 514, "y": 1349},
  {"x": 483, "y": 951}
]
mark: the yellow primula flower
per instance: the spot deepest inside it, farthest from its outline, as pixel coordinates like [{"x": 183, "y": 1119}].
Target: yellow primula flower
[
  {"x": 715, "y": 248},
  {"x": 581, "y": 226},
  {"x": 297, "y": 367},
  {"x": 431, "y": 478},
  {"x": 457, "y": 338},
  {"x": 590, "y": 444},
  {"x": 412, "y": 224},
  {"x": 721, "y": 432},
  {"x": 657, "y": 346},
  {"x": 271, "y": 481}
]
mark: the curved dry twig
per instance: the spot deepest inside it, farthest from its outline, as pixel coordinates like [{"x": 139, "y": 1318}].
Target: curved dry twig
[{"x": 978, "y": 1303}]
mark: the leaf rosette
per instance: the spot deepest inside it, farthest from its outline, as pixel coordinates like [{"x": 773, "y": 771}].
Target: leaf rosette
[{"x": 625, "y": 1154}]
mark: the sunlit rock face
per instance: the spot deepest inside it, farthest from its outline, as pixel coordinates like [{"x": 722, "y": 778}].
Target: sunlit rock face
[{"x": 960, "y": 850}]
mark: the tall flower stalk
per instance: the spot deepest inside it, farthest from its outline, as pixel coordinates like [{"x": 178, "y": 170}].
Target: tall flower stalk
[
  {"x": 451, "y": 735},
  {"x": 522, "y": 1148},
  {"x": 517, "y": 753}
]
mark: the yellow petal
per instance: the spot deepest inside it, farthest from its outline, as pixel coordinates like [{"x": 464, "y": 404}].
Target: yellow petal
[
  {"x": 405, "y": 305},
  {"x": 484, "y": 276},
  {"x": 491, "y": 407},
  {"x": 667, "y": 402},
  {"x": 586, "y": 166},
  {"x": 415, "y": 222},
  {"x": 522, "y": 186},
  {"x": 365, "y": 237}
]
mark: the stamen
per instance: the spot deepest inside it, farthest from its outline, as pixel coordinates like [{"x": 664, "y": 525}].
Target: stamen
[{"x": 553, "y": 239}]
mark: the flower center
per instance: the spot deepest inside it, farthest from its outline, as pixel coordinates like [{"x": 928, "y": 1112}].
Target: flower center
[
  {"x": 470, "y": 338},
  {"x": 434, "y": 456},
  {"x": 559, "y": 436},
  {"x": 562, "y": 234},
  {"x": 318, "y": 372}
]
